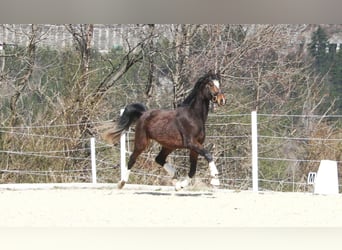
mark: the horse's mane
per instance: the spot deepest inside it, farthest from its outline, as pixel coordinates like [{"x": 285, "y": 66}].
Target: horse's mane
[{"x": 198, "y": 86}]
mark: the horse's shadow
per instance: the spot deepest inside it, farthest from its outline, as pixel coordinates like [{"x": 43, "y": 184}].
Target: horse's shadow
[{"x": 157, "y": 193}]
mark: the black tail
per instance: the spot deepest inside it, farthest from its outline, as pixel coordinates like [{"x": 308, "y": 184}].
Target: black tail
[{"x": 130, "y": 115}]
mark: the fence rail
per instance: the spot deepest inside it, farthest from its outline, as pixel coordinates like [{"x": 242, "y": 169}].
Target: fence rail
[{"x": 260, "y": 154}]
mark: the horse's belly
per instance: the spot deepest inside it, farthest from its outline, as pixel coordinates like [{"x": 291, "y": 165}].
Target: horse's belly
[{"x": 167, "y": 137}]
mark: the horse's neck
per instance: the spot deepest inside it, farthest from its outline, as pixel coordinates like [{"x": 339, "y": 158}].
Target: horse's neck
[{"x": 200, "y": 107}]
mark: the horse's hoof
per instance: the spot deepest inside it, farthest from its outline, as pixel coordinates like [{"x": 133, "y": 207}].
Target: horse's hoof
[
  {"x": 178, "y": 186},
  {"x": 215, "y": 182},
  {"x": 121, "y": 184},
  {"x": 182, "y": 184}
]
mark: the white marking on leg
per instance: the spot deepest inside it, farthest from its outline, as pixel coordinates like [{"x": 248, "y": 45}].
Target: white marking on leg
[
  {"x": 124, "y": 178},
  {"x": 178, "y": 186},
  {"x": 213, "y": 169},
  {"x": 170, "y": 170},
  {"x": 213, "y": 172},
  {"x": 183, "y": 184},
  {"x": 215, "y": 182},
  {"x": 126, "y": 175}
]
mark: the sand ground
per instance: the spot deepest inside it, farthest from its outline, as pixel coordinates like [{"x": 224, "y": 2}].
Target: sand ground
[{"x": 89, "y": 207}]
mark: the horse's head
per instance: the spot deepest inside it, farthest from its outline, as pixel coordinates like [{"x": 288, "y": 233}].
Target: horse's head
[{"x": 214, "y": 88}]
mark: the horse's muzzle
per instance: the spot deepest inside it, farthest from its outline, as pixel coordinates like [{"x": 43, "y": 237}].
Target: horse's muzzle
[{"x": 219, "y": 99}]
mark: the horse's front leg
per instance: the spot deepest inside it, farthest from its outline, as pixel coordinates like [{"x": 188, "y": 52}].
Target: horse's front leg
[
  {"x": 212, "y": 167},
  {"x": 192, "y": 171},
  {"x": 214, "y": 174}
]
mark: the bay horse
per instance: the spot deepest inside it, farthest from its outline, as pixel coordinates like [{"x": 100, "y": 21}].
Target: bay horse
[{"x": 183, "y": 127}]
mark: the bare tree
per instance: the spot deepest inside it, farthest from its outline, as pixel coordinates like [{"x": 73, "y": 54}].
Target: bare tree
[{"x": 18, "y": 82}]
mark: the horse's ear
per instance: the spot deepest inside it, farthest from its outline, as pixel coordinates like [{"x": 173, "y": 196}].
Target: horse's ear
[{"x": 217, "y": 74}]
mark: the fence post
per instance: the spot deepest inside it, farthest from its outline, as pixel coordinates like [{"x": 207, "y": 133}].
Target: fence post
[
  {"x": 123, "y": 153},
  {"x": 255, "y": 152},
  {"x": 93, "y": 159}
]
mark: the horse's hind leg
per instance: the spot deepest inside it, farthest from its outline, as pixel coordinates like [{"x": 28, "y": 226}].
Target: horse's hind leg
[
  {"x": 139, "y": 147},
  {"x": 132, "y": 160},
  {"x": 161, "y": 160}
]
